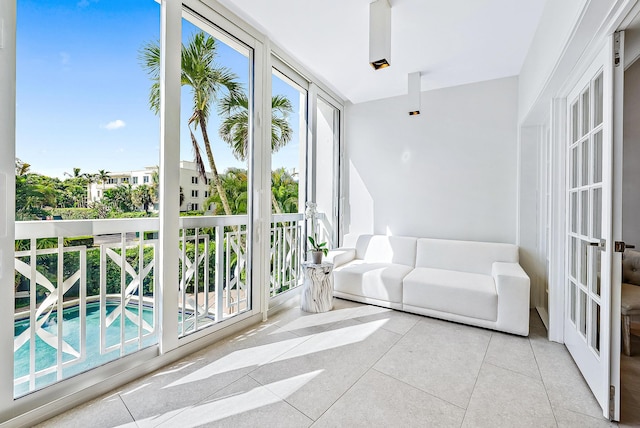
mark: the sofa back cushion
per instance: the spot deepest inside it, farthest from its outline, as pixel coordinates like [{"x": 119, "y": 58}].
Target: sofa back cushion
[
  {"x": 631, "y": 267},
  {"x": 464, "y": 256},
  {"x": 386, "y": 249}
]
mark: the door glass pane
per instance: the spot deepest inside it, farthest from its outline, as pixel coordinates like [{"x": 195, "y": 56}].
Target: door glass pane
[
  {"x": 573, "y": 256},
  {"x": 585, "y": 162},
  {"x": 597, "y": 100},
  {"x": 572, "y": 301},
  {"x": 216, "y": 143},
  {"x": 596, "y": 207},
  {"x": 326, "y": 178},
  {"x": 597, "y": 157},
  {"x": 574, "y": 167},
  {"x": 595, "y": 327},
  {"x": 574, "y": 211},
  {"x": 585, "y": 112},
  {"x": 582, "y": 312},
  {"x": 574, "y": 122},
  {"x": 288, "y": 184},
  {"x": 583, "y": 262},
  {"x": 584, "y": 211},
  {"x": 595, "y": 254}
]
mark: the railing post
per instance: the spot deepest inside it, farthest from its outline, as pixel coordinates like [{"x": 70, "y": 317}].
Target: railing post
[{"x": 219, "y": 271}]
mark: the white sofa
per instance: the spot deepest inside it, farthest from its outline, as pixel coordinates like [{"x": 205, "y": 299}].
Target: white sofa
[{"x": 476, "y": 283}]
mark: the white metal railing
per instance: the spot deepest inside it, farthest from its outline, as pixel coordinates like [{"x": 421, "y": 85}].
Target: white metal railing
[
  {"x": 101, "y": 276},
  {"x": 287, "y": 252},
  {"x": 63, "y": 268},
  {"x": 203, "y": 302}
]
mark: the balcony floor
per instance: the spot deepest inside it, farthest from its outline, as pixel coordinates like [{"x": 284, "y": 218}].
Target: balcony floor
[{"x": 357, "y": 365}]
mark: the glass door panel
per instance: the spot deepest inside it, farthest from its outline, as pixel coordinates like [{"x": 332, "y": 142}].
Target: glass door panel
[
  {"x": 288, "y": 178},
  {"x": 327, "y": 169},
  {"x": 215, "y": 175}
]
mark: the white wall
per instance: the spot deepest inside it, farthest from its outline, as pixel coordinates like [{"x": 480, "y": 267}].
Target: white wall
[
  {"x": 555, "y": 28},
  {"x": 631, "y": 158},
  {"x": 447, "y": 173}
]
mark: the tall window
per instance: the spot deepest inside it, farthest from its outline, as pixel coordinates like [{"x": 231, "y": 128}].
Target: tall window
[
  {"x": 288, "y": 175},
  {"x": 216, "y": 135},
  {"x": 82, "y": 112}
]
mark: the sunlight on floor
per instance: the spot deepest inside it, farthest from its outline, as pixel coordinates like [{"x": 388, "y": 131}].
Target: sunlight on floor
[
  {"x": 225, "y": 407},
  {"x": 323, "y": 318},
  {"x": 259, "y": 355}
]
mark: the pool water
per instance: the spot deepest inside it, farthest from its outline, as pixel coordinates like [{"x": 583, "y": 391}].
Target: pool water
[{"x": 46, "y": 356}]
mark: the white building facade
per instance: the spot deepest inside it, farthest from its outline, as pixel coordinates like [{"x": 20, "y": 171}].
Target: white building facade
[{"x": 195, "y": 189}]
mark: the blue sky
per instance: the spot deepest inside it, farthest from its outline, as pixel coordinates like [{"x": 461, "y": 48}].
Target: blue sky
[{"x": 82, "y": 96}]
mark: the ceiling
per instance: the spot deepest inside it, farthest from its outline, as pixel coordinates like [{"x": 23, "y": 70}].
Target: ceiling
[{"x": 451, "y": 42}]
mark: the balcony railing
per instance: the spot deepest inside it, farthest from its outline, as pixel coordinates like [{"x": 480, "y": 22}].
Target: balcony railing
[{"x": 101, "y": 276}]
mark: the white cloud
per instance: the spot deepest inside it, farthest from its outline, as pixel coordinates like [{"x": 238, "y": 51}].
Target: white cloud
[
  {"x": 115, "y": 124},
  {"x": 85, "y": 3},
  {"x": 65, "y": 58}
]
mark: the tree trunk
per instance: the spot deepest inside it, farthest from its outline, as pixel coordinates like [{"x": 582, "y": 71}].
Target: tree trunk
[
  {"x": 212, "y": 164},
  {"x": 274, "y": 202}
]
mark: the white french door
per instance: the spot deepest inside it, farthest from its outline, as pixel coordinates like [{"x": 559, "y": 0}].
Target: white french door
[{"x": 589, "y": 245}]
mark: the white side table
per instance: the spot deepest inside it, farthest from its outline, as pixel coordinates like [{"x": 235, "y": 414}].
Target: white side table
[{"x": 317, "y": 289}]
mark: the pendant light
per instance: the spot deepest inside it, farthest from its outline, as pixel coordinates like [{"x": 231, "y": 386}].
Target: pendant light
[
  {"x": 380, "y": 34},
  {"x": 414, "y": 93}
]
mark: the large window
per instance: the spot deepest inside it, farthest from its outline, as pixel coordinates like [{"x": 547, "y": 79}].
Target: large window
[
  {"x": 289, "y": 100},
  {"x": 216, "y": 142},
  {"x": 82, "y": 112}
]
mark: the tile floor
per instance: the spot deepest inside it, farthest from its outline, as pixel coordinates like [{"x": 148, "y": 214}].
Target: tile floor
[
  {"x": 630, "y": 384},
  {"x": 357, "y": 366}
]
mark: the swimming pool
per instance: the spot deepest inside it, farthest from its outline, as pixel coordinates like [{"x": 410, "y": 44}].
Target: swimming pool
[{"x": 46, "y": 355}]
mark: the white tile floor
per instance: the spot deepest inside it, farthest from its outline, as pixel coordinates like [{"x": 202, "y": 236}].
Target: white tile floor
[{"x": 357, "y": 366}]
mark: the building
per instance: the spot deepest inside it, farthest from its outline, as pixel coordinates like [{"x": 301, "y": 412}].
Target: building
[
  {"x": 195, "y": 190},
  {"x": 528, "y": 152}
]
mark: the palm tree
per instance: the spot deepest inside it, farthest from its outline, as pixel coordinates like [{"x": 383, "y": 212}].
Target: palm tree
[
  {"x": 234, "y": 129},
  {"x": 142, "y": 196},
  {"x": 207, "y": 81},
  {"x": 284, "y": 191},
  {"x": 22, "y": 168},
  {"x": 102, "y": 177}
]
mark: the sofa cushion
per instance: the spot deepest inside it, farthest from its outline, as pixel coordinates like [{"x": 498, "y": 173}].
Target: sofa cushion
[
  {"x": 462, "y": 293},
  {"x": 381, "y": 281},
  {"x": 464, "y": 256},
  {"x": 631, "y": 267},
  {"x": 386, "y": 249},
  {"x": 630, "y": 304}
]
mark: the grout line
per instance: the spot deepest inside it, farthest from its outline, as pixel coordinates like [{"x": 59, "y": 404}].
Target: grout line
[
  {"x": 128, "y": 411},
  {"x": 477, "y": 377},
  {"x": 419, "y": 389},
  {"x": 544, "y": 384},
  {"x": 363, "y": 374}
]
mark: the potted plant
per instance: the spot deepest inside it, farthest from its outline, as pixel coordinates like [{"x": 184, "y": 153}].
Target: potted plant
[{"x": 318, "y": 249}]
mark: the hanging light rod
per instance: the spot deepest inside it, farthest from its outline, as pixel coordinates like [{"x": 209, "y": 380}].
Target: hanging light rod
[
  {"x": 414, "y": 93},
  {"x": 380, "y": 34}
]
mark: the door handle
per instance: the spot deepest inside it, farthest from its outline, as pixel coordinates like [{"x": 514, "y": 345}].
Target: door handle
[
  {"x": 620, "y": 246},
  {"x": 600, "y": 243}
]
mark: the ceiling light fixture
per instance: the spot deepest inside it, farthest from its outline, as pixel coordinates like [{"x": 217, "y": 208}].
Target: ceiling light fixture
[
  {"x": 380, "y": 34},
  {"x": 414, "y": 93}
]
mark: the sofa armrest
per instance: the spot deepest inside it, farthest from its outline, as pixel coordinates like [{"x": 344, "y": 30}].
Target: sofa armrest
[
  {"x": 340, "y": 256},
  {"x": 512, "y": 286}
]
